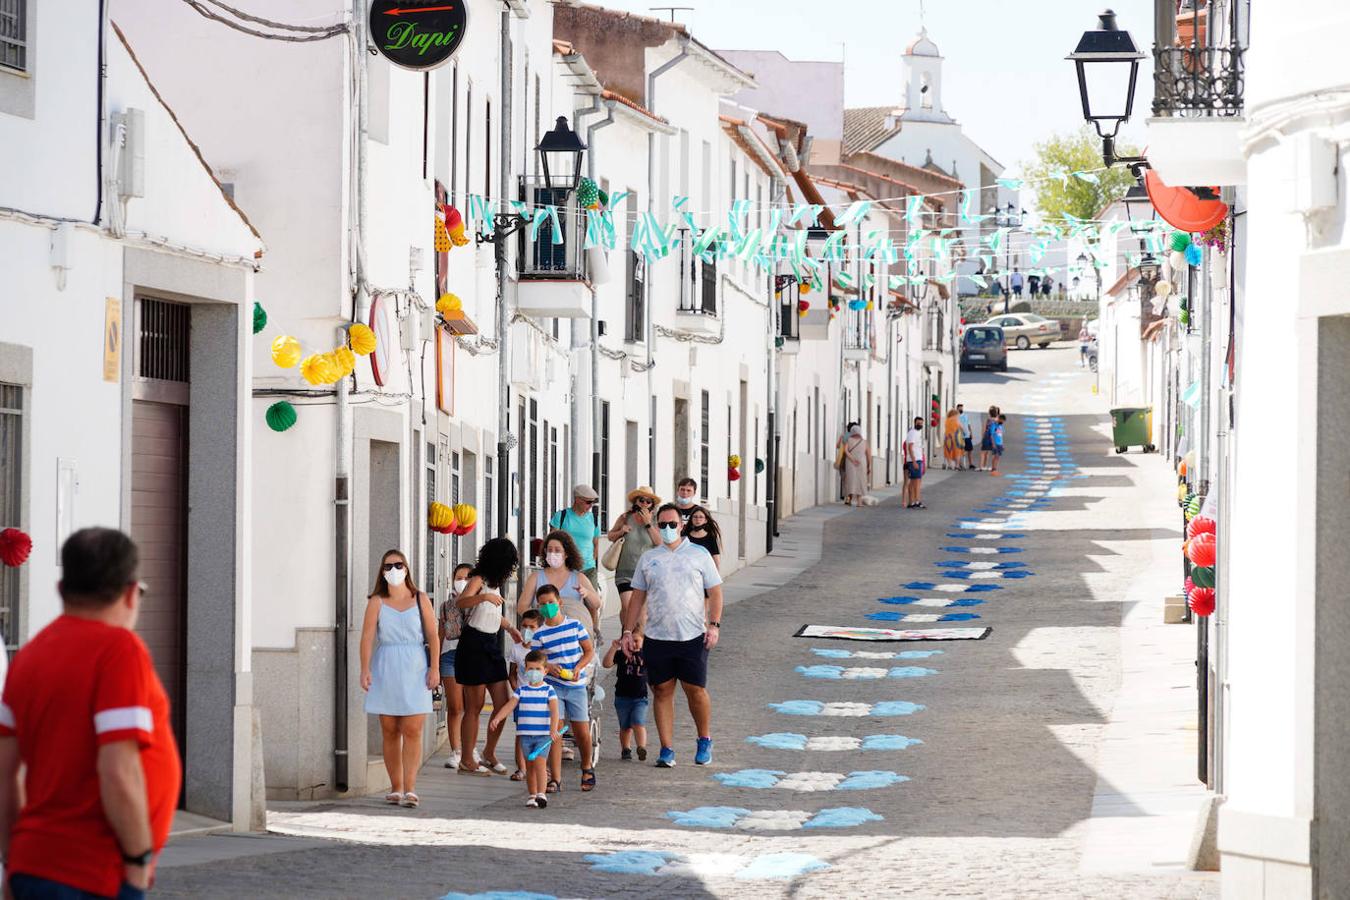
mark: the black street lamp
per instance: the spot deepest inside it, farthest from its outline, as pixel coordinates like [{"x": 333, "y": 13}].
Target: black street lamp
[
  {"x": 1009, "y": 218},
  {"x": 560, "y": 151},
  {"x": 1107, "y": 61}
]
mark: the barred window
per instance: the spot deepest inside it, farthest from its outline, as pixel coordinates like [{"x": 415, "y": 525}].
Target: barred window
[
  {"x": 14, "y": 34},
  {"x": 11, "y": 507}
]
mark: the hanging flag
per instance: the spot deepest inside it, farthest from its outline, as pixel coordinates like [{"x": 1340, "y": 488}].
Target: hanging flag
[
  {"x": 856, "y": 210},
  {"x": 537, "y": 220},
  {"x": 966, "y": 196},
  {"x": 1012, "y": 184},
  {"x": 1089, "y": 177}
]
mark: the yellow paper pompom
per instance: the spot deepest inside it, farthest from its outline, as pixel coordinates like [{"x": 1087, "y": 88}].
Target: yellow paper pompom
[
  {"x": 362, "y": 339},
  {"x": 285, "y": 351},
  {"x": 466, "y": 516},
  {"x": 441, "y": 238},
  {"x": 449, "y": 305},
  {"x": 316, "y": 369},
  {"x": 440, "y": 516},
  {"x": 346, "y": 360}
]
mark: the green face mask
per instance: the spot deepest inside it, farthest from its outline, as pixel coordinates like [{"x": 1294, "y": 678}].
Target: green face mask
[{"x": 548, "y": 610}]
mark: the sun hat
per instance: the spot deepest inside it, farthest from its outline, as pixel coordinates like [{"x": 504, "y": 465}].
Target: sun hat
[
  {"x": 644, "y": 491},
  {"x": 585, "y": 492}
]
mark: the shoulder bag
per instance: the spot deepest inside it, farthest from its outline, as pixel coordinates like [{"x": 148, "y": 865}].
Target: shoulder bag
[{"x": 611, "y": 558}]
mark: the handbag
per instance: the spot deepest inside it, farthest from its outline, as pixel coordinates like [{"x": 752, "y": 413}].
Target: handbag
[
  {"x": 611, "y": 558},
  {"x": 839, "y": 456}
]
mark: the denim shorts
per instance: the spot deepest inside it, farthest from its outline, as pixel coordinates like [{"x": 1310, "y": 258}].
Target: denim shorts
[
  {"x": 632, "y": 711},
  {"x": 448, "y": 664},
  {"x": 573, "y": 704},
  {"x": 529, "y": 743}
]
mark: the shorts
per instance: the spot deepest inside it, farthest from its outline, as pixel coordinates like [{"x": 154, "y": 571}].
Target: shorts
[
  {"x": 448, "y": 664},
  {"x": 986, "y": 445},
  {"x": 998, "y": 449},
  {"x": 530, "y": 743},
  {"x": 632, "y": 711},
  {"x": 914, "y": 470},
  {"x": 685, "y": 661},
  {"x": 573, "y": 704},
  {"x": 623, "y": 585},
  {"x": 970, "y": 445}
]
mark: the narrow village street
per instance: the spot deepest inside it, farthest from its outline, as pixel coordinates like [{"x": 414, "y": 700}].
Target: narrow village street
[{"x": 1030, "y": 763}]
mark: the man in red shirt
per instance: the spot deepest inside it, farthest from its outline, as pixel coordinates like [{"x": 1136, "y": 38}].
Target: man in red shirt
[{"x": 86, "y": 715}]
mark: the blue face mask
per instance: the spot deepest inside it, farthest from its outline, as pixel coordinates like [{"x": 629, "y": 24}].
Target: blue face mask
[
  {"x": 527, "y": 634},
  {"x": 534, "y": 676},
  {"x": 670, "y": 533}
]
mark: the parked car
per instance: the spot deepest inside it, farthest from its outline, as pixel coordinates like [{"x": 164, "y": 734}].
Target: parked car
[
  {"x": 984, "y": 345},
  {"x": 1024, "y": 329}
]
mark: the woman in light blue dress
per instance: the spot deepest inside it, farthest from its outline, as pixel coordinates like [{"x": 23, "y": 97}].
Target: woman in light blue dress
[{"x": 395, "y": 674}]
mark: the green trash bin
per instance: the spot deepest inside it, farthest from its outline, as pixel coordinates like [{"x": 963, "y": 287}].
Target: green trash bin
[{"x": 1132, "y": 426}]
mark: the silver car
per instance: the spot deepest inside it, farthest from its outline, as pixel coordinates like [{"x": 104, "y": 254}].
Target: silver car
[{"x": 1021, "y": 330}]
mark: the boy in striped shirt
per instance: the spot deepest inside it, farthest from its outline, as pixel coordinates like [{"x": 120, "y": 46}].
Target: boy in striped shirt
[
  {"x": 570, "y": 654},
  {"x": 536, "y": 710}
]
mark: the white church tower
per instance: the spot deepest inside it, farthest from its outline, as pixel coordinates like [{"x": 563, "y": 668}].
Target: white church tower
[{"x": 922, "y": 68}]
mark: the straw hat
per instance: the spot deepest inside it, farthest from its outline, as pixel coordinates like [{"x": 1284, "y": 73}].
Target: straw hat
[{"x": 644, "y": 491}]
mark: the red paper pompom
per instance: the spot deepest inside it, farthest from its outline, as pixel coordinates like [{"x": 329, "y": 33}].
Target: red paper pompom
[
  {"x": 733, "y": 475},
  {"x": 14, "y": 547},
  {"x": 1201, "y": 525},
  {"x": 1202, "y": 549},
  {"x": 1188, "y": 586},
  {"x": 1201, "y": 601}
]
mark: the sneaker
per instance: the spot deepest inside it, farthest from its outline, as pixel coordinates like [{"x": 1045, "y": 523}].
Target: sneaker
[
  {"x": 642, "y": 754},
  {"x": 667, "y": 758},
  {"x": 627, "y": 754},
  {"x": 568, "y": 753},
  {"x": 540, "y": 800},
  {"x": 453, "y": 761},
  {"x": 533, "y": 802},
  {"x": 703, "y": 755}
]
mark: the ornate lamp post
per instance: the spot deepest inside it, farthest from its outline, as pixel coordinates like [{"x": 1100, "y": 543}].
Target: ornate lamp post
[{"x": 1107, "y": 61}]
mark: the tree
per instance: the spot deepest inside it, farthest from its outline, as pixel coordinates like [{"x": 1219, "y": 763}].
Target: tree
[{"x": 1075, "y": 152}]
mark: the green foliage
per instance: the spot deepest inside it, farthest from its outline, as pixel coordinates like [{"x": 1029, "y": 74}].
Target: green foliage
[{"x": 1076, "y": 152}]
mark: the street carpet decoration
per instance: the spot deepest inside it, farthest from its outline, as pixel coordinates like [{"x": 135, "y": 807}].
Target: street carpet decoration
[
  {"x": 440, "y": 518},
  {"x": 362, "y": 339},
  {"x": 259, "y": 317},
  {"x": 15, "y": 546},
  {"x": 281, "y": 416},
  {"x": 809, "y": 782},
  {"x": 1201, "y": 601},
  {"x": 1201, "y": 549},
  {"x": 850, "y": 633},
  {"x": 772, "y": 819},
  {"x": 791, "y": 740},
  {"x": 1202, "y": 576},
  {"x": 286, "y": 351},
  {"x": 662, "y": 864},
  {"x": 466, "y": 517}
]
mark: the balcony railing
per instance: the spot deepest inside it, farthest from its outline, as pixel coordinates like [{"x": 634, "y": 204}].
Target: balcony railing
[
  {"x": 1198, "y": 65},
  {"x": 544, "y": 257}
]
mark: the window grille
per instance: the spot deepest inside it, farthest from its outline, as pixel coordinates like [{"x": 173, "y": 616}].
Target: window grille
[
  {"x": 430, "y": 577},
  {"x": 11, "y": 507},
  {"x": 14, "y": 34},
  {"x": 164, "y": 329},
  {"x": 704, "y": 436}
]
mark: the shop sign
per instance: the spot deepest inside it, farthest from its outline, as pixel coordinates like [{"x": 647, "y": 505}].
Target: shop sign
[{"x": 417, "y": 34}]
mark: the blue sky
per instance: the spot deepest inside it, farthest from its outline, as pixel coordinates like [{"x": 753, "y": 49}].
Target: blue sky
[{"x": 1004, "y": 73}]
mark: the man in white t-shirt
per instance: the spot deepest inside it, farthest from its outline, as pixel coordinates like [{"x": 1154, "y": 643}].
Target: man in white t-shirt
[{"x": 914, "y": 465}]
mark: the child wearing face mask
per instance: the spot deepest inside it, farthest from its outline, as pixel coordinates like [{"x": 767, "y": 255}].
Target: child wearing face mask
[
  {"x": 451, "y": 623},
  {"x": 570, "y": 654},
  {"x": 530, "y": 623},
  {"x": 535, "y": 705}
]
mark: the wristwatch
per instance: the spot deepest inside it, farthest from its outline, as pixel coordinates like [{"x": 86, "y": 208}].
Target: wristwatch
[
  {"x": 717, "y": 625},
  {"x": 139, "y": 859}
]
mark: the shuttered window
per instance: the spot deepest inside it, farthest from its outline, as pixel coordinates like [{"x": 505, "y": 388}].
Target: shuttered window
[{"x": 11, "y": 485}]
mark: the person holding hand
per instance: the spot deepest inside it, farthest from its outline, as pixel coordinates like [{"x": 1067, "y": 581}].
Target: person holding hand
[
  {"x": 480, "y": 666},
  {"x": 636, "y": 527},
  {"x": 397, "y": 675}
]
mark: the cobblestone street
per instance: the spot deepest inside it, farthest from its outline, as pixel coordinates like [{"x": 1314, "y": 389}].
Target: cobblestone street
[{"x": 1025, "y": 777}]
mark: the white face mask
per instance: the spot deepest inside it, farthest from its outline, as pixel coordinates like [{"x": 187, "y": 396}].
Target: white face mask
[
  {"x": 395, "y": 577},
  {"x": 554, "y": 560},
  {"x": 670, "y": 533},
  {"x": 460, "y": 584},
  {"x": 684, "y": 501},
  {"x": 527, "y": 634}
]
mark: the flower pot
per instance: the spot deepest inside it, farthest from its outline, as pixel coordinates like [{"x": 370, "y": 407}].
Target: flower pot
[{"x": 1218, "y": 270}]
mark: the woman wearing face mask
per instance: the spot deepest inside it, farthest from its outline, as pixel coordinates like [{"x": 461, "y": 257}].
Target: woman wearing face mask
[
  {"x": 480, "y": 667},
  {"x": 396, "y": 675},
  {"x": 452, "y": 625},
  {"x": 562, "y": 569},
  {"x": 702, "y": 530},
  {"x": 637, "y": 529}
]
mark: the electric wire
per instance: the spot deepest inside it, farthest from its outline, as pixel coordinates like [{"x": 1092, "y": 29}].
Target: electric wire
[{"x": 323, "y": 35}]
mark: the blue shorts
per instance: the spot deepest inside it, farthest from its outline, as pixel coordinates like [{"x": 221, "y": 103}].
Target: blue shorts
[
  {"x": 914, "y": 470},
  {"x": 448, "y": 664},
  {"x": 998, "y": 449},
  {"x": 573, "y": 704},
  {"x": 531, "y": 742},
  {"x": 632, "y": 711}
]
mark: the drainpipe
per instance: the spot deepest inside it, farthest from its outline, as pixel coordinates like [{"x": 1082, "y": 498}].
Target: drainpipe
[
  {"x": 595, "y": 320},
  {"x": 343, "y": 437},
  {"x": 574, "y": 451},
  {"x": 503, "y": 316},
  {"x": 777, "y": 190}
]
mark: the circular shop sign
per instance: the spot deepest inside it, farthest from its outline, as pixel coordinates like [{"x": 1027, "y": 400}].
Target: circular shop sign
[{"x": 418, "y": 34}]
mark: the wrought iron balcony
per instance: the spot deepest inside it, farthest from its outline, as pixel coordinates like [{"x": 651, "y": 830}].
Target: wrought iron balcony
[{"x": 1198, "y": 81}]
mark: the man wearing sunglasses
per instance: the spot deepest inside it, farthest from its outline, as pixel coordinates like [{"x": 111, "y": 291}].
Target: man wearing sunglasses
[
  {"x": 582, "y": 521},
  {"x": 102, "y": 767}
]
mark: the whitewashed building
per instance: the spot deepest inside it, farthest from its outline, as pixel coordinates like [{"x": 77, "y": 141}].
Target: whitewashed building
[{"x": 124, "y": 371}]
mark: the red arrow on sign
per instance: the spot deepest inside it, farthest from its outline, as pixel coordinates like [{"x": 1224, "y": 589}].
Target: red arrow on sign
[{"x": 396, "y": 11}]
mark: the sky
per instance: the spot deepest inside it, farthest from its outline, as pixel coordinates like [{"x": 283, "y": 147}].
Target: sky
[{"x": 1005, "y": 78}]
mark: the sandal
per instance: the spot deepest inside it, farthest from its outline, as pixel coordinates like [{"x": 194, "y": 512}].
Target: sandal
[
  {"x": 393, "y": 798},
  {"x": 411, "y": 800},
  {"x": 553, "y": 787},
  {"x": 587, "y": 780},
  {"x": 517, "y": 775},
  {"x": 474, "y": 769},
  {"x": 493, "y": 766}
]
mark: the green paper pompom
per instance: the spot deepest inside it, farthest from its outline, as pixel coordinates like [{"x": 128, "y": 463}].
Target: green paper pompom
[
  {"x": 588, "y": 194},
  {"x": 1202, "y": 576},
  {"x": 1194, "y": 503},
  {"x": 1180, "y": 241},
  {"x": 759, "y": 466},
  {"x": 281, "y": 416},
  {"x": 1184, "y": 317},
  {"x": 604, "y": 199},
  {"x": 259, "y": 317}
]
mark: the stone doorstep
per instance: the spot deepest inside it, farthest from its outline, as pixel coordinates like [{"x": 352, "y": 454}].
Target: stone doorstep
[
  {"x": 1174, "y": 610},
  {"x": 187, "y": 823}
]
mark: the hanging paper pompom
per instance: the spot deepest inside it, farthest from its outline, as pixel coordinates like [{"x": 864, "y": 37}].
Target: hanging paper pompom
[
  {"x": 857, "y": 304},
  {"x": 1201, "y": 525},
  {"x": 1184, "y": 317},
  {"x": 316, "y": 369},
  {"x": 1182, "y": 493},
  {"x": 1202, "y": 576},
  {"x": 14, "y": 547},
  {"x": 346, "y": 361},
  {"x": 440, "y": 516},
  {"x": 1201, "y": 601},
  {"x": 285, "y": 351},
  {"x": 362, "y": 339},
  {"x": 733, "y": 475},
  {"x": 454, "y": 223},
  {"x": 440, "y": 238},
  {"x": 604, "y": 200},
  {"x": 868, "y": 306},
  {"x": 466, "y": 517},
  {"x": 1187, "y": 586},
  {"x": 1179, "y": 241},
  {"x": 803, "y": 305},
  {"x": 1194, "y": 256},
  {"x": 1163, "y": 288},
  {"x": 281, "y": 416},
  {"x": 804, "y": 287},
  {"x": 450, "y": 306},
  {"x": 1187, "y": 499},
  {"x": 734, "y": 461},
  {"x": 588, "y": 194},
  {"x": 259, "y": 317},
  {"x": 1193, "y": 506},
  {"x": 759, "y": 466},
  {"x": 1201, "y": 549},
  {"x": 1178, "y": 260}
]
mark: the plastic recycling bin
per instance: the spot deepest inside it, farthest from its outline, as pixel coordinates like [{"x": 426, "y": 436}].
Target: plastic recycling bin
[{"x": 1132, "y": 426}]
